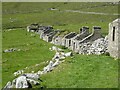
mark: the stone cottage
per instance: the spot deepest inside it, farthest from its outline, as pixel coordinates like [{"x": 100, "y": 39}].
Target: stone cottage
[
  {"x": 44, "y": 30},
  {"x": 59, "y": 37},
  {"x": 114, "y": 39},
  {"x": 66, "y": 41},
  {"x": 48, "y": 37},
  {"x": 85, "y": 37},
  {"x": 84, "y": 32}
]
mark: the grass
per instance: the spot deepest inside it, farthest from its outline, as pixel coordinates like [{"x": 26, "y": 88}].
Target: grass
[
  {"x": 81, "y": 71},
  {"x": 33, "y": 51},
  {"x": 84, "y": 71},
  {"x": 19, "y": 16}
]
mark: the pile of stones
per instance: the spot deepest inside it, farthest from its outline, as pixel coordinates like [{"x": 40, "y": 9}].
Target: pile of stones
[
  {"x": 84, "y": 47},
  {"x": 99, "y": 46}
]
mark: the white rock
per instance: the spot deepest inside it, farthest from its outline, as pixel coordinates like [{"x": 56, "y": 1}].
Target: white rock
[
  {"x": 56, "y": 56},
  {"x": 18, "y": 72},
  {"x": 31, "y": 81},
  {"x": 56, "y": 63},
  {"x": 68, "y": 54},
  {"x": 32, "y": 76},
  {"x": 21, "y": 82},
  {"x": 8, "y": 85},
  {"x": 62, "y": 57},
  {"x": 39, "y": 72}
]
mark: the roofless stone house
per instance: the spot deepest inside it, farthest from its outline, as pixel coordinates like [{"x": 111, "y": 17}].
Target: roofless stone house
[
  {"x": 67, "y": 39},
  {"x": 114, "y": 39},
  {"x": 84, "y": 32},
  {"x": 84, "y": 37}
]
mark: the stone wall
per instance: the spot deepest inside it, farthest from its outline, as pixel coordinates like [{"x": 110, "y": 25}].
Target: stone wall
[
  {"x": 84, "y": 37},
  {"x": 114, "y": 39},
  {"x": 57, "y": 40},
  {"x": 67, "y": 39},
  {"x": 84, "y": 32}
]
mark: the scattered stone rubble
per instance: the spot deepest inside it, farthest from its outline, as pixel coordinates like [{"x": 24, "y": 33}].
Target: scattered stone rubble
[
  {"x": 99, "y": 46},
  {"x": 26, "y": 80},
  {"x": 11, "y": 50}
]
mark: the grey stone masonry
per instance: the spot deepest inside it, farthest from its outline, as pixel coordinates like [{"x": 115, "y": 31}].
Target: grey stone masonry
[
  {"x": 96, "y": 33},
  {"x": 57, "y": 40},
  {"x": 43, "y": 30},
  {"x": 84, "y": 32},
  {"x": 48, "y": 37},
  {"x": 114, "y": 39},
  {"x": 66, "y": 41},
  {"x": 92, "y": 37}
]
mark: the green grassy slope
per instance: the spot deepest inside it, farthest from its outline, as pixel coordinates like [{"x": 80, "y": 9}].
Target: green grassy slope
[
  {"x": 22, "y": 14},
  {"x": 33, "y": 51},
  {"x": 82, "y": 70}
]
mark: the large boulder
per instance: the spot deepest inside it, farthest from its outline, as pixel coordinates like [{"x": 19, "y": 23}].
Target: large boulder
[{"x": 21, "y": 82}]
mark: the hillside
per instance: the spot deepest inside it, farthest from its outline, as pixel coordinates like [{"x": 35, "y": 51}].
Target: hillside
[
  {"x": 19, "y": 15},
  {"x": 80, "y": 71}
]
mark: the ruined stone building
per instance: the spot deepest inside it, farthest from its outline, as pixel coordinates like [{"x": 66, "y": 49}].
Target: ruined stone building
[
  {"x": 44, "y": 30},
  {"x": 58, "y": 39},
  {"x": 114, "y": 39},
  {"x": 77, "y": 42},
  {"x": 66, "y": 41},
  {"x": 33, "y": 28},
  {"x": 84, "y": 32},
  {"x": 48, "y": 37},
  {"x": 85, "y": 37}
]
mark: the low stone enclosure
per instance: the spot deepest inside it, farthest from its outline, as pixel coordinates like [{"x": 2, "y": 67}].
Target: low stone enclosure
[{"x": 84, "y": 42}]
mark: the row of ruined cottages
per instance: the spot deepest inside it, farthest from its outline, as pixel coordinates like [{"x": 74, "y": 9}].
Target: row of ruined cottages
[
  {"x": 70, "y": 40},
  {"x": 74, "y": 40}
]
